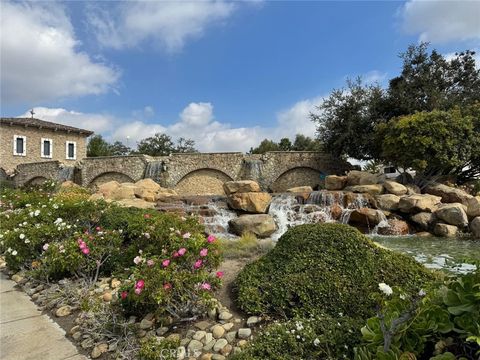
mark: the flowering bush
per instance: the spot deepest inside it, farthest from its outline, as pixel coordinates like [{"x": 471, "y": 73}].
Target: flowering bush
[{"x": 179, "y": 282}]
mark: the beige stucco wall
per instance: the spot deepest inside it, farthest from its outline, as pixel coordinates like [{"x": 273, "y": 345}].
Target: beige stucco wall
[{"x": 33, "y": 135}]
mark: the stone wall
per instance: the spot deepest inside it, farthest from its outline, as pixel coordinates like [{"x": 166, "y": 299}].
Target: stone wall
[
  {"x": 8, "y": 161},
  {"x": 194, "y": 174}
]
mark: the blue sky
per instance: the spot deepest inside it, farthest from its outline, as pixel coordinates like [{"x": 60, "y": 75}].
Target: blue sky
[{"x": 226, "y": 74}]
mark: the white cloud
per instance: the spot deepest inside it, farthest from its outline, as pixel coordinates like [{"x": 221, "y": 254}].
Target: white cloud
[
  {"x": 40, "y": 60},
  {"x": 442, "y": 21},
  {"x": 167, "y": 23}
]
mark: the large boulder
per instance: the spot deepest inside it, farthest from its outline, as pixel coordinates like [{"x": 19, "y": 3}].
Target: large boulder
[
  {"x": 423, "y": 220},
  {"x": 134, "y": 202},
  {"x": 300, "y": 190},
  {"x": 395, "y": 188},
  {"x": 445, "y": 230},
  {"x": 473, "y": 207},
  {"x": 373, "y": 189},
  {"x": 418, "y": 203},
  {"x": 413, "y": 189},
  {"x": 395, "y": 227},
  {"x": 262, "y": 225},
  {"x": 68, "y": 185},
  {"x": 334, "y": 182},
  {"x": 252, "y": 202},
  {"x": 387, "y": 202},
  {"x": 475, "y": 227},
  {"x": 164, "y": 194},
  {"x": 242, "y": 186},
  {"x": 356, "y": 177},
  {"x": 148, "y": 184},
  {"x": 358, "y": 200},
  {"x": 448, "y": 194},
  {"x": 453, "y": 214},
  {"x": 124, "y": 191},
  {"x": 107, "y": 188},
  {"x": 366, "y": 217}
]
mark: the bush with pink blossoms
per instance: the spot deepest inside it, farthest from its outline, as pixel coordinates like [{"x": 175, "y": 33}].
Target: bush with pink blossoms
[{"x": 178, "y": 283}]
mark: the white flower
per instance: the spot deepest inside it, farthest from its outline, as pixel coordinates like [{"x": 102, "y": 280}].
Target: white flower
[
  {"x": 37, "y": 212},
  {"x": 402, "y": 296},
  {"x": 137, "y": 260},
  {"x": 27, "y": 241},
  {"x": 30, "y": 213},
  {"x": 422, "y": 293},
  {"x": 55, "y": 206},
  {"x": 387, "y": 290},
  {"x": 316, "y": 342},
  {"x": 45, "y": 247},
  {"x": 58, "y": 221},
  {"x": 9, "y": 250},
  {"x": 22, "y": 236},
  {"x": 14, "y": 252}
]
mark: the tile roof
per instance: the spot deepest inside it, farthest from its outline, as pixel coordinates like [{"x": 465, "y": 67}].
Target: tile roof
[{"x": 41, "y": 124}]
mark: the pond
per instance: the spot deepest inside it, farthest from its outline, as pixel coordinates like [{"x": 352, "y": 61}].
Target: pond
[{"x": 436, "y": 253}]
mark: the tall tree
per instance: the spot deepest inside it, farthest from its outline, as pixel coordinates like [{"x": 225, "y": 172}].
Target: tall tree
[
  {"x": 162, "y": 144},
  {"x": 265, "y": 146},
  {"x": 285, "y": 144},
  {"x": 97, "y": 146},
  {"x": 119, "y": 149}
]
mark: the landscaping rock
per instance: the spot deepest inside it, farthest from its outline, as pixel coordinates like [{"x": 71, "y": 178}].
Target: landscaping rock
[
  {"x": 161, "y": 331},
  {"x": 107, "y": 297},
  {"x": 373, "y": 189},
  {"x": 106, "y": 189},
  {"x": 413, "y": 189},
  {"x": 195, "y": 346},
  {"x": 300, "y": 190},
  {"x": 230, "y": 336},
  {"x": 98, "y": 350},
  {"x": 395, "y": 188},
  {"x": 419, "y": 203},
  {"x": 244, "y": 333},
  {"x": 138, "y": 203},
  {"x": 448, "y": 194},
  {"x": 252, "y": 321},
  {"x": 453, "y": 214},
  {"x": 387, "y": 202},
  {"x": 252, "y": 202},
  {"x": 227, "y": 326},
  {"x": 226, "y": 350},
  {"x": 209, "y": 346},
  {"x": 208, "y": 337},
  {"x": 63, "y": 311},
  {"x": 423, "y": 220},
  {"x": 445, "y": 230},
  {"x": 356, "y": 177},
  {"x": 473, "y": 207},
  {"x": 366, "y": 217},
  {"x": 475, "y": 227},
  {"x": 199, "y": 335},
  {"x": 219, "y": 344},
  {"x": 218, "y": 331},
  {"x": 181, "y": 353},
  {"x": 123, "y": 192},
  {"x": 18, "y": 278},
  {"x": 334, "y": 182},
  {"x": 218, "y": 357},
  {"x": 395, "y": 227},
  {"x": 148, "y": 184},
  {"x": 202, "y": 325},
  {"x": 261, "y": 225},
  {"x": 146, "y": 324},
  {"x": 242, "y": 186}
]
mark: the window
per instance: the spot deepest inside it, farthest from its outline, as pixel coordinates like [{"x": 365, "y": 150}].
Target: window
[
  {"x": 19, "y": 145},
  {"x": 46, "y": 148},
  {"x": 71, "y": 150}
]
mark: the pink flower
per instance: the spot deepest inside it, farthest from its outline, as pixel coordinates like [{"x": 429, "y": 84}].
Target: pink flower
[
  {"x": 140, "y": 284},
  {"x": 176, "y": 254},
  {"x": 210, "y": 239},
  {"x": 82, "y": 245},
  {"x": 146, "y": 216},
  {"x": 86, "y": 251},
  {"x": 124, "y": 295},
  {"x": 219, "y": 274},
  {"x": 138, "y": 291},
  {"x": 98, "y": 228},
  {"x": 182, "y": 251},
  {"x": 45, "y": 247},
  {"x": 197, "y": 264},
  {"x": 79, "y": 241},
  {"x": 166, "y": 262},
  {"x": 186, "y": 235},
  {"x": 150, "y": 262},
  {"x": 167, "y": 286},
  {"x": 206, "y": 286},
  {"x": 203, "y": 252}
]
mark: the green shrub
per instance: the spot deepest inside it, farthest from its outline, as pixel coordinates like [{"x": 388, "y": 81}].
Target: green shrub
[
  {"x": 319, "y": 337},
  {"x": 329, "y": 268}
]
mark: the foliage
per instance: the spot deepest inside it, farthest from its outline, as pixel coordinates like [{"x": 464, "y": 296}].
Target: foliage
[
  {"x": 330, "y": 268},
  {"x": 321, "y": 337},
  {"x": 301, "y": 143},
  {"x": 246, "y": 246},
  {"x": 154, "y": 349},
  {"x": 445, "y": 318},
  {"x": 162, "y": 145},
  {"x": 97, "y": 146},
  {"x": 432, "y": 143}
]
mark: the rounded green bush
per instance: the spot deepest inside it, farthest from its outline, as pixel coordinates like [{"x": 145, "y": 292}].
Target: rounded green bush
[{"x": 329, "y": 268}]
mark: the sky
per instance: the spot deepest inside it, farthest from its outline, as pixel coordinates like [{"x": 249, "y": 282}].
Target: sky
[{"x": 225, "y": 74}]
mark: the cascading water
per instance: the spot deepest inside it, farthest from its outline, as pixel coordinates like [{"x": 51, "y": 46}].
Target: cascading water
[
  {"x": 252, "y": 169},
  {"x": 65, "y": 173},
  {"x": 154, "y": 170},
  {"x": 358, "y": 202},
  {"x": 217, "y": 224}
]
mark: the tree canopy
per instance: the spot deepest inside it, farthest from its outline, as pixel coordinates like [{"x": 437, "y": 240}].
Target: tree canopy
[
  {"x": 301, "y": 143},
  {"x": 97, "y": 146},
  {"x": 162, "y": 144}
]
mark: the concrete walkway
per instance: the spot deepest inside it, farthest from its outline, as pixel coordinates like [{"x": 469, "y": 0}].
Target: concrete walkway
[{"x": 26, "y": 334}]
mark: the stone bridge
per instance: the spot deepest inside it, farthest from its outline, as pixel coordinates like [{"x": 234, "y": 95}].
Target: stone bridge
[{"x": 193, "y": 173}]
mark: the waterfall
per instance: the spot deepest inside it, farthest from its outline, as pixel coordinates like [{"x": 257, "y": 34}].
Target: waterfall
[
  {"x": 65, "y": 173},
  {"x": 217, "y": 224},
  {"x": 154, "y": 170},
  {"x": 252, "y": 169}
]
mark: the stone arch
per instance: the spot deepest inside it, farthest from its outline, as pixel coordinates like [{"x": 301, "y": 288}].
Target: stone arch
[
  {"x": 204, "y": 181},
  {"x": 298, "y": 176},
  {"x": 36, "y": 180},
  {"x": 110, "y": 176}
]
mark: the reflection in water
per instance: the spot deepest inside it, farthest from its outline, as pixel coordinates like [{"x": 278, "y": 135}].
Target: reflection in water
[{"x": 436, "y": 253}]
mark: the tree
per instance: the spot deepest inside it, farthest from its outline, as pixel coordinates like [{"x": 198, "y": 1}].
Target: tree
[
  {"x": 265, "y": 146},
  {"x": 285, "y": 144},
  {"x": 306, "y": 143},
  {"x": 119, "y": 149},
  {"x": 162, "y": 145},
  {"x": 434, "y": 143},
  {"x": 185, "y": 146},
  {"x": 97, "y": 146}
]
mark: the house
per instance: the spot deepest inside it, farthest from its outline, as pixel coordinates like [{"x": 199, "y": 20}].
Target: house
[{"x": 28, "y": 140}]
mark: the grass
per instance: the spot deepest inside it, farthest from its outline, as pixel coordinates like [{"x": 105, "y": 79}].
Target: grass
[{"x": 247, "y": 246}]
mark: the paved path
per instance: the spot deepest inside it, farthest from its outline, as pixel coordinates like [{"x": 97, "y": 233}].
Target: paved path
[{"x": 26, "y": 334}]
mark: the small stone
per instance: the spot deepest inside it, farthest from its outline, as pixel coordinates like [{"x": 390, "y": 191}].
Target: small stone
[
  {"x": 173, "y": 337},
  {"x": 199, "y": 335},
  {"x": 76, "y": 336},
  {"x": 226, "y": 350},
  {"x": 219, "y": 345},
  {"x": 18, "y": 278},
  {"x": 195, "y": 346},
  {"x": 184, "y": 342},
  {"x": 107, "y": 297},
  {"x": 190, "y": 333},
  {"x": 227, "y": 326},
  {"x": 225, "y": 315},
  {"x": 99, "y": 350},
  {"x": 112, "y": 347},
  {"x": 212, "y": 313},
  {"x": 162, "y": 330},
  {"x": 74, "y": 329},
  {"x": 202, "y": 325},
  {"x": 237, "y": 321},
  {"x": 244, "y": 333},
  {"x": 252, "y": 320},
  {"x": 208, "y": 346},
  {"x": 63, "y": 311},
  {"x": 231, "y": 336},
  {"x": 141, "y": 333},
  {"x": 87, "y": 343},
  {"x": 115, "y": 283},
  {"x": 242, "y": 343},
  {"x": 218, "y": 357},
  {"x": 218, "y": 331},
  {"x": 181, "y": 352},
  {"x": 207, "y": 356},
  {"x": 208, "y": 337},
  {"x": 146, "y": 324}
]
